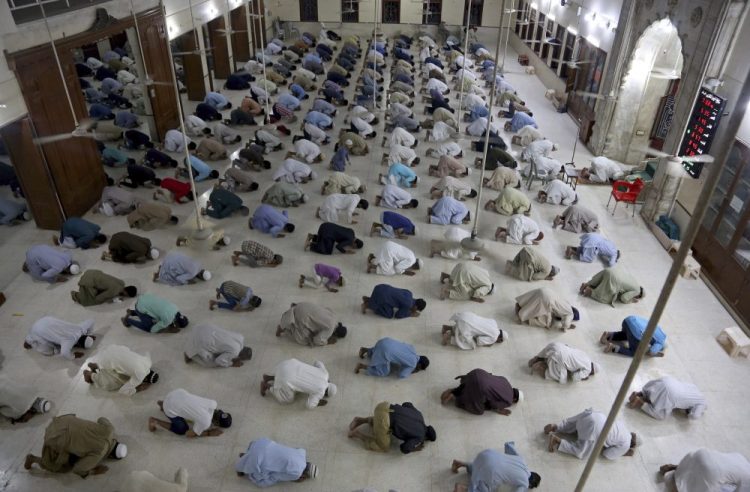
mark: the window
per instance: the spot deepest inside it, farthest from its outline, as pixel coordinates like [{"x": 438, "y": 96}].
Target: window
[
  {"x": 308, "y": 10},
  {"x": 476, "y": 12},
  {"x": 431, "y": 11},
  {"x": 349, "y": 10},
  {"x": 391, "y": 11},
  {"x": 521, "y": 19}
]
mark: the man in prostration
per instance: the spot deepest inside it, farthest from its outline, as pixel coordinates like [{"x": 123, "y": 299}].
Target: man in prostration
[
  {"x": 577, "y": 218},
  {"x": 510, "y": 201},
  {"x": 466, "y": 281},
  {"x": 332, "y": 236},
  {"x": 602, "y": 170},
  {"x": 448, "y": 166},
  {"x": 520, "y": 230},
  {"x": 390, "y": 302},
  {"x": 587, "y": 426},
  {"x": 529, "y": 264},
  {"x": 545, "y": 308},
  {"x": 256, "y": 255},
  {"x": 393, "y": 225},
  {"x": 223, "y": 203},
  {"x": 393, "y": 259},
  {"x": 179, "y": 269},
  {"x": 267, "y": 463},
  {"x": 561, "y": 363},
  {"x": 284, "y": 195},
  {"x": 48, "y": 264},
  {"x": 268, "y": 220},
  {"x": 388, "y": 352},
  {"x": 404, "y": 422},
  {"x": 448, "y": 210},
  {"x": 451, "y": 247},
  {"x": 125, "y": 247},
  {"x": 19, "y": 402},
  {"x": 79, "y": 233},
  {"x": 323, "y": 275},
  {"x": 501, "y": 178},
  {"x": 395, "y": 197},
  {"x": 77, "y": 445},
  {"x": 592, "y": 246},
  {"x": 117, "y": 368},
  {"x": 707, "y": 470},
  {"x": 492, "y": 469},
  {"x": 149, "y": 216},
  {"x": 182, "y": 407},
  {"x": 660, "y": 397},
  {"x": 452, "y": 187},
  {"x": 557, "y": 193},
  {"x": 468, "y": 330},
  {"x": 292, "y": 376},
  {"x": 613, "y": 284},
  {"x": 478, "y": 390},
  {"x": 96, "y": 287},
  {"x": 311, "y": 325},
  {"x": 401, "y": 175},
  {"x": 52, "y": 336},
  {"x": 339, "y": 182},
  {"x": 340, "y": 207},
  {"x": 211, "y": 346},
  {"x": 116, "y": 201},
  {"x": 153, "y": 314},
  {"x": 626, "y": 340},
  {"x": 237, "y": 297}
]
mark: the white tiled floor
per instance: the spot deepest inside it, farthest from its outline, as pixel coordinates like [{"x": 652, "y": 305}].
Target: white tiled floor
[{"x": 692, "y": 320}]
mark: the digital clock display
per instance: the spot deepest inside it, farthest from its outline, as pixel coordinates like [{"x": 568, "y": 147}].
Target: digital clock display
[{"x": 701, "y": 129}]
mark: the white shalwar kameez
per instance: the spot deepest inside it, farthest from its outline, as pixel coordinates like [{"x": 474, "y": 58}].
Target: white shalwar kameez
[
  {"x": 15, "y": 398},
  {"x": 707, "y": 470},
  {"x": 292, "y": 171},
  {"x": 559, "y": 193},
  {"x": 397, "y": 109},
  {"x": 667, "y": 393},
  {"x": 436, "y": 84},
  {"x": 603, "y": 170},
  {"x": 402, "y": 154},
  {"x": 453, "y": 187},
  {"x": 451, "y": 149},
  {"x": 339, "y": 207},
  {"x": 521, "y": 230},
  {"x": 306, "y": 150},
  {"x": 440, "y": 132},
  {"x": 452, "y": 246},
  {"x": 362, "y": 112},
  {"x": 529, "y": 134},
  {"x": 588, "y": 425},
  {"x": 292, "y": 376},
  {"x": 394, "y": 259},
  {"x": 400, "y": 136},
  {"x": 195, "y": 409},
  {"x": 564, "y": 361},
  {"x": 471, "y": 331},
  {"x": 125, "y": 362},
  {"x": 174, "y": 141},
  {"x": 471, "y": 101},
  {"x": 212, "y": 346},
  {"x": 394, "y": 196},
  {"x": 194, "y": 126},
  {"x": 52, "y": 336},
  {"x": 537, "y": 148},
  {"x": 363, "y": 128}
]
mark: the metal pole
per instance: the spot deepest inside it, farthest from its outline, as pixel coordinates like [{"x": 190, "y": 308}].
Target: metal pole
[
  {"x": 731, "y": 129},
  {"x": 475, "y": 229},
  {"x": 198, "y": 221},
  {"x": 463, "y": 67},
  {"x": 507, "y": 35},
  {"x": 375, "y": 59},
  {"x": 261, "y": 17}
]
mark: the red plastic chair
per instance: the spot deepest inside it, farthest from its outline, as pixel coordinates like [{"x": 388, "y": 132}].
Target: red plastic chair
[{"x": 625, "y": 191}]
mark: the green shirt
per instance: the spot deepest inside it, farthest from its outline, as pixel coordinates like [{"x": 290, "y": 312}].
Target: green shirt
[
  {"x": 96, "y": 287},
  {"x": 160, "y": 309}
]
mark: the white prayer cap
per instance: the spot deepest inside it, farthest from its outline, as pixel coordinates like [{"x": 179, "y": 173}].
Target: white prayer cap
[
  {"x": 74, "y": 268},
  {"x": 107, "y": 209},
  {"x": 332, "y": 389},
  {"x": 127, "y": 61},
  {"x": 468, "y": 171},
  {"x": 520, "y": 396},
  {"x": 206, "y": 275},
  {"x": 226, "y": 240},
  {"x": 504, "y": 334},
  {"x": 305, "y": 198},
  {"x": 322, "y": 156},
  {"x": 121, "y": 451},
  {"x": 313, "y": 175},
  {"x": 45, "y": 406},
  {"x": 88, "y": 342},
  {"x": 26, "y": 216},
  {"x": 153, "y": 254},
  {"x": 312, "y": 470},
  {"x": 348, "y": 143},
  {"x": 554, "y": 146},
  {"x": 638, "y": 440},
  {"x": 420, "y": 263}
]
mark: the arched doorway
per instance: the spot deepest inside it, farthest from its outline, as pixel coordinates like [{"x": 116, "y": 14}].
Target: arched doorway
[{"x": 647, "y": 93}]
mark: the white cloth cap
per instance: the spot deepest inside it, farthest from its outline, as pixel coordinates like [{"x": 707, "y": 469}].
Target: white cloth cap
[
  {"x": 420, "y": 263},
  {"x": 520, "y": 396},
  {"x": 332, "y": 389},
  {"x": 46, "y": 405},
  {"x": 226, "y": 240},
  {"x": 313, "y": 175},
  {"x": 468, "y": 171},
  {"x": 26, "y": 216},
  {"x": 107, "y": 209},
  {"x": 74, "y": 269},
  {"x": 348, "y": 143},
  {"x": 121, "y": 451},
  {"x": 312, "y": 470},
  {"x": 504, "y": 333},
  {"x": 206, "y": 275},
  {"x": 305, "y": 198},
  {"x": 88, "y": 342},
  {"x": 154, "y": 253}
]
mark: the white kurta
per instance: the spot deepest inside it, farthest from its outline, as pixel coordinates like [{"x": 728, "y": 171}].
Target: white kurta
[
  {"x": 537, "y": 148},
  {"x": 604, "y": 169},
  {"x": 529, "y": 134},
  {"x": 212, "y": 346},
  {"x": 451, "y": 149},
  {"x": 339, "y": 207},
  {"x": 397, "y": 109},
  {"x": 52, "y": 336},
  {"x": 306, "y": 150},
  {"x": 363, "y": 128},
  {"x": 453, "y": 187},
  {"x": 292, "y": 376},
  {"x": 471, "y": 101},
  {"x": 124, "y": 361},
  {"x": 477, "y": 127},
  {"x": 174, "y": 141},
  {"x": 588, "y": 425},
  {"x": 292, "y": 171},
  {"x": 545, "y": 166},
  {"x": 452, "y": 246},
  {"x": 269, "y": 138},
  {"x": 316, "y": 134},
  {"x": 393, "y": 259},
  {"x": 440, "y": 131},
  {"x": 194, "y": 126},
  {"x": 402, "y": 154},
  {"x": 195, "y": 409},
  {"x": 400, "y": 136},
  {"x": 559, "y": 193},
  {"x": 471, "y": 330},
  {"x": 706, "y": 470},
  {"x": 521, "y": 230},
  {"x": 667, "y": 393},
  {"x": 436, "y": 84},
  {"x": 394, "y": 197},
  {"x": 362, "y": 112},
  {"x": 15, "y": 399},
  {"x": 564, "y": 361}
]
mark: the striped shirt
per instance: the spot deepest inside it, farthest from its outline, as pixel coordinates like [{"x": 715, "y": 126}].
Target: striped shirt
[
  {"x": 242, "y": 293},
  {"x": 257, "y": 251}
]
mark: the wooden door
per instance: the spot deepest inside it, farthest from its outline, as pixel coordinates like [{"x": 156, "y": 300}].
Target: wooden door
[
  {"x": 257, "y": 9},
  {"x": 222, "y": 66},
  {"x": 33, "y": 174},
  {"x": 240, "y": 37},
  {"x": 156, "y": 57},
  {"x": 192, "y": 66}
]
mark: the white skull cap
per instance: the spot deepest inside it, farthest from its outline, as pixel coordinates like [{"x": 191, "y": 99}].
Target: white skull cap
[
  {"x": 154, "y": 253},
  {"x": 206, "y": 275},
  {"x": 74, "y": 269}
]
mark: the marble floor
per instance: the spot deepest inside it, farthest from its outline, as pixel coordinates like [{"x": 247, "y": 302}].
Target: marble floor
[{"x": 692, "y": 320}]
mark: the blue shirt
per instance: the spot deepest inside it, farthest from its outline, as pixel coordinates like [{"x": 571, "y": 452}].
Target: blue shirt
[
  {"x": 110, "y": 85},
  {"x": 267, "y": 463},
  {"x": 10, "y": 210},
  {"x": 403, "y": 174},
  {"x": 216, "y": 100},
  {"x": 46, "y": 263},
  {"x": 80, "y": 230},
  {"x": 200, "y": 168},
  {"x": 298, "y": 91},
  {"x": 520, "y": 120},
  {"x": 312, "y": 57},
  {"x": 388, "y": 351},
  {"x": 100, "y": 111},
  {"x": 491, "y": 469},
  {"x": 340, "y": 159},
  {"x": 321, "y": 120},
  {"x": 289, "y": 101},
  {"x": 126, "y": 119},
  {"x": 593, "y": 245},
  {"x": 390, "y": 302},
  {"x": 448, "y": 210},
  {"x": 269, "y": 220},
  {"x": 637, "y": 326},
  {"x": 398, "y": 221},
  {"x": 323, "y": 106}
]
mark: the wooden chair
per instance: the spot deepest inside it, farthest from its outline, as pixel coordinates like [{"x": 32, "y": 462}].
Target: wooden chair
[{"x": 625, "y": 191}]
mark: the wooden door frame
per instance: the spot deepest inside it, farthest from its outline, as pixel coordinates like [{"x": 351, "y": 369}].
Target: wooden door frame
[
  {"x": 220, "y": 45},
  {"x": 192, "y": 65},
  {"x": 240, "y": 39}
]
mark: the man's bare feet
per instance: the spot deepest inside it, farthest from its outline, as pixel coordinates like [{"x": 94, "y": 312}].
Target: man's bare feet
[
  {"x": 359, "y": 367},
  {"x": 456, "y": 466},
  {"x": 301, "y": 282},
  {"x": 31, "y": 459},
  {"x": 212, "y": 304},
  {"x": 569, "y": 252},
  {"x": 278, "y": 331},
  {"x": 446, "y": 396},
  {"x": 151, "y": 424},
  {"x": 443, "y": 277},
  {"x": 550, "y": 428},
  {"x": 553, "y": 443},
  {"x": 356, "y": 422},
  {"x": 610, "y": 348},
  {"x": 264, "y": 387},
  {"x": 604, "y": 339},
  {"x": 477, "y": 299},
  {"x": 363, "y": 352},
  {"x": 446, "y": 336},
  {"x": 663, "y": 469},
  {"x": 235, "y": 259}
]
